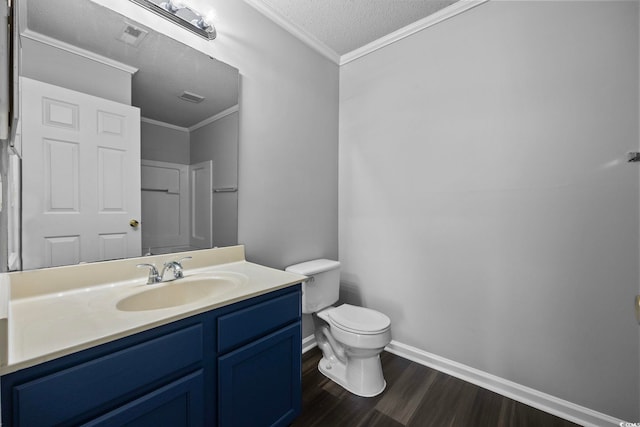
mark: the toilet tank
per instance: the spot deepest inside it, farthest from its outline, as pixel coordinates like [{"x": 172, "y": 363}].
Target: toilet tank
[{"x": 323, "y": 286}]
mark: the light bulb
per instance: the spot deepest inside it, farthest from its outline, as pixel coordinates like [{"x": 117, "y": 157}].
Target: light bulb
[{"x": 169, "y": 6}]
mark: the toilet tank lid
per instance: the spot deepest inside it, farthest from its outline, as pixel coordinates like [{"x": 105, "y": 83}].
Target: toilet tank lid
[{"x": 316, "y": 266}]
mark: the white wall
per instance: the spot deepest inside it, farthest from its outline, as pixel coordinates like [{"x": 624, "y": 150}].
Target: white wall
[
  {"x": 288, "y": 159},
  {"x": 485, "y": 202}
]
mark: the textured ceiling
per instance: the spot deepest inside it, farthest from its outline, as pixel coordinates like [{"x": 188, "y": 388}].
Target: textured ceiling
[{"x": 346, "y": 25}]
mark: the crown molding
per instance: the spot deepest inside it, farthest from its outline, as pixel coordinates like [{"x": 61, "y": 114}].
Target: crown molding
[
  {"x": 212, "y": 119},
  {"x": 441, "y": 15},
  {"x": 163, "y": 124},
  {"x": 32, "y": 35},
  {"x": 295, "y": 30},
  {"x": 205, "y": 122}
]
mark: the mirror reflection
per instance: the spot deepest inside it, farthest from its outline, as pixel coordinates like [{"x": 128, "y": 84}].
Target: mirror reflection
[{"x": 128, "y": 139}]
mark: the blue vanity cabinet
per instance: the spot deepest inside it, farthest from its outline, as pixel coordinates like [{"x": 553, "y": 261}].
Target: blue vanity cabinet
[
  {"x": 259, "y": 376},
  {"x": 130, "y": 379},
  {"x": 180, "y": 374}
]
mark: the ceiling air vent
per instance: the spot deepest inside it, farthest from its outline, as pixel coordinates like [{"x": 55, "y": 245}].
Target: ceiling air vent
[
  {"x": 132, "y": 35},
  {"x": 191, "y": 97}
]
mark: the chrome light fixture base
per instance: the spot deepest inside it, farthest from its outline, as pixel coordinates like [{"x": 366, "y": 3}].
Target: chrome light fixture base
[{"x": 180, "y": 15}]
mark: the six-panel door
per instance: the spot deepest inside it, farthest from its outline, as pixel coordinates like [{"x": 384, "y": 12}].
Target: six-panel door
[{"x": 80, "y": 177}]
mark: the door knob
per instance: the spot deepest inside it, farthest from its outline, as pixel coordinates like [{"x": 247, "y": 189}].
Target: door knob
[{"x": 134, "y": 223}]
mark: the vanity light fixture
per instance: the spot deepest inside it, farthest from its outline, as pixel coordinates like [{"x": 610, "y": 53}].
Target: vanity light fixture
[{"x": 176, "y": 12}]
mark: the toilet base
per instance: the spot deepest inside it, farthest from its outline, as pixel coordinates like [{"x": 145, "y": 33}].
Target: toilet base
[{"x": 362, "y": 378}]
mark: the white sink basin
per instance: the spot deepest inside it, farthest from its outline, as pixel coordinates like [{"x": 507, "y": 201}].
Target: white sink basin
[{"x": 182, "y": 291}]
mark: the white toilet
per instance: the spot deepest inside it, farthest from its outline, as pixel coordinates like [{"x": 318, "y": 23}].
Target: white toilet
[{"x": 351, "y": 338}]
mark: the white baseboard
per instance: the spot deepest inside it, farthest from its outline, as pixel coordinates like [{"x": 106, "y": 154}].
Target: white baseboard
[
  {"x": 539, "y": 400},
  {"x": 308, "y": 343}
]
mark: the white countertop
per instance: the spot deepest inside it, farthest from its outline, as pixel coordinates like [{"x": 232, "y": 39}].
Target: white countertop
[{"x": 76, "y": 315}]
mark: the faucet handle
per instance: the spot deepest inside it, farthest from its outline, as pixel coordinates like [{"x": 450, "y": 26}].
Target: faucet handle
[
  {"x": 178, "y": 270},
  {"x": 176, "y": 266},
  {"x": 183, "y": 259},
  {"x": 153, "y": 273}
]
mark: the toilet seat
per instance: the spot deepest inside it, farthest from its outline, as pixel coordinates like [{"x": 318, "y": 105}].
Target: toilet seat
[{"x": 359, "y": 320}]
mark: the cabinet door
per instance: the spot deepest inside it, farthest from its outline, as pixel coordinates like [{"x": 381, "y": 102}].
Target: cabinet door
[
  {"x": 260, "y": 383},
  {"x": 178, "y": 404},
  {"x": 84, "y": 390}
]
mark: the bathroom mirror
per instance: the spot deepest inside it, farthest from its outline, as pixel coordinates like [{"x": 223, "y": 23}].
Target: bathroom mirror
[{"x": 187, "y": 127}]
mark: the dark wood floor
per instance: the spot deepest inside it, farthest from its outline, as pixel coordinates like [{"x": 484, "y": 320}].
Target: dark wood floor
[{"x": 415, "y": 396}]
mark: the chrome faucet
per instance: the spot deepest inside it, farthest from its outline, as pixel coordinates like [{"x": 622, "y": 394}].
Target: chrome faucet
[
  {"x": 155, "y": 277},
  {"x": 176, "y": 266}
]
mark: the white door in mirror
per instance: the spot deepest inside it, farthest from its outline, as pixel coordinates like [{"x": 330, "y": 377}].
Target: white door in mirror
[
  {"x": 201, "y": 185},
  {"x": 81, "y": 177}
]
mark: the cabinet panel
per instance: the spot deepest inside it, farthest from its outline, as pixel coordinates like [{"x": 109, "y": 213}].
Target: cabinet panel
[
  {"x": 64, "y": 395},
  {"x": 178, "y": 404},
  {"x": 244, "y": 325},
  {"x": 260, "y": 384}
]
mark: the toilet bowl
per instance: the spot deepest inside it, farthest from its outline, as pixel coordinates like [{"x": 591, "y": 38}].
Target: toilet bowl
[
  {"x": 360, "y": 334},
  {"x": 351, "y": 338}
]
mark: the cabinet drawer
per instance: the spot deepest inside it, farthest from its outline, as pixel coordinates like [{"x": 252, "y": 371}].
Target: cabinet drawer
[
  {"x": 177, "y": 404},
  {"x": 242, "y": 326},
  {"x": 92, "y": 386}
]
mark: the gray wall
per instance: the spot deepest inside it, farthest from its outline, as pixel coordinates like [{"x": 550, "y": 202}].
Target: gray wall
[
  {"x": 288, "y": 203},
  {"x": 485, "y": 200},
  {"x": 218, "y": 141},
  {"x": 215, "y": 141},
  {"x": 164, "y": 144},
  {"x": 56, "y": 66}
]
